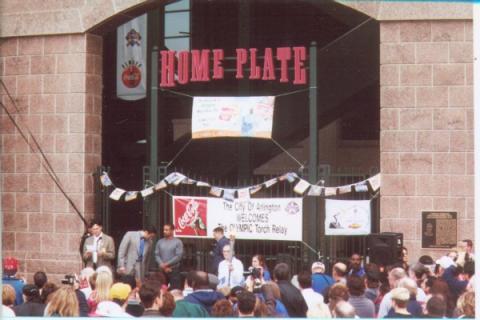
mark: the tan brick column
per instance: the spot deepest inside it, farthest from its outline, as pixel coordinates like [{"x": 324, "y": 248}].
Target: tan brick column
[
  {"x": 57, "y": 83},
  {"x": 426, "y": 125}
]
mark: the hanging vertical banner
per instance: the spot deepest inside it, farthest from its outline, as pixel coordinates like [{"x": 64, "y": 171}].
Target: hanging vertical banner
[
  {"x": 347, "y": 217},
  {"x": 232, "y": 117},
  {"x": 132, "y": 59}
]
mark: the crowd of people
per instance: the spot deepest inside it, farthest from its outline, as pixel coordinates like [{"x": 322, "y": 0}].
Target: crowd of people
[{"x": 353, "y": 289}]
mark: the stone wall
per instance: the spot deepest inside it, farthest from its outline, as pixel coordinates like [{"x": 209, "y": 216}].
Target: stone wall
[
  {"x": 426, "y": 125},
  {"x": 56, "y": 82}
]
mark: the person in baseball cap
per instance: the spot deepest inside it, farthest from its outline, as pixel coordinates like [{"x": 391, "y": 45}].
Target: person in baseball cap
[
  {"x": 119, "y": 293},
  {"x": 10, "y": 268},
  {"x": 320, "y": 281}
]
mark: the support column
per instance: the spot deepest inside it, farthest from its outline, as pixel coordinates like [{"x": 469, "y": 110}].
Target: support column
[{"x": 313, "y": 227}]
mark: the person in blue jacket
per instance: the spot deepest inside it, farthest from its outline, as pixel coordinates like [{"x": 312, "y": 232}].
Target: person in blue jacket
[{"x": 10, "y": 268}]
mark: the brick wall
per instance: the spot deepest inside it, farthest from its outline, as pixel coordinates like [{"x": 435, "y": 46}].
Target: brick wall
[
  {"x": 426, "y": 125},
  {"x": 56, "y": 82}
]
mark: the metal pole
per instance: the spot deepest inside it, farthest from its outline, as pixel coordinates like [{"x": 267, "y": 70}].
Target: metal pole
[
  {"x": 313, "y": 157},
  {"x": 151, "y": 208}
]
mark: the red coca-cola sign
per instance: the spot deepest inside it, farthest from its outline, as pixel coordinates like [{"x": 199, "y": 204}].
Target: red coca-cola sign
[{"x": 190, "y": 217}]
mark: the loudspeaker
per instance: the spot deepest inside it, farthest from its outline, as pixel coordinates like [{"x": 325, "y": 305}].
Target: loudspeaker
[{"x": 384, "y": 248}]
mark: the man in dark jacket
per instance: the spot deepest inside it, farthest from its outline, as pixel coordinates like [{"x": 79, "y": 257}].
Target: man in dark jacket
[
  {"x": 202, "y": 294},
  {"x": 217, "y": 252},
  {"x": 291, "y": 297},
  {"x": 33, "y": 306}
]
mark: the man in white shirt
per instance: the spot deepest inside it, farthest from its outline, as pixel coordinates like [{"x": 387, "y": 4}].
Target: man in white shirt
[
  {"x": 99, "y": 248},
  {"x": 230, "y": 270},
  {"x": 314, "y": 300}
]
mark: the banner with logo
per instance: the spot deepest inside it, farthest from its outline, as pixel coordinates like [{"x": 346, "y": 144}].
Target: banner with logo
[
  {"x": 347, "y": 217},
  {"x": 132, "y": 59},
  {"x": 232, "y": 117},
  {"x": 262, "y": 219}
]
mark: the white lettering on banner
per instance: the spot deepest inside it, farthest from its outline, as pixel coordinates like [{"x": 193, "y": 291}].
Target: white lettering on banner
[{"x": 269, "y": 219}]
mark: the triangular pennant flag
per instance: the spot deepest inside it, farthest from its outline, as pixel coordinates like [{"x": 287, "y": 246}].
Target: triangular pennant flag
[
  {"x": 131, "y": 195},
  {"x": 105, "y": 180},
  {"x": 117, "y": 194},
  {"x": 330, "y": 192},
  {"x": 315, "y": 191},
  {"x": 179, "y": 179},
  {"x": 289, "y": 176},
  {"x": 270, "y": 182},
  {"x": 244, "y": 193},
  {"x": 171, "y": 177},
  {"x": 345, "y": 189},
  {"x": 229, "y": 194},
  {"x": 301, "y": 186},
  {"x": 189, "y": 181},
  {"x": 216, "y": 191},
  {"x": 203, "y": 184},
  {"x": 161, "y": 185},
  {"x": 374, "y": 182},
  {"x": 361, "y": 187},
  {"x": 146, "y": 192},
  {"x": 255, "y": 189}
]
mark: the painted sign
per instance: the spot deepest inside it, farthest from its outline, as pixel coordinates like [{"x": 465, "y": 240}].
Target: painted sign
[
  {"x": 267, "y": 219},
  {"x": 232, "y": 117},
  {"x": 347, "y": 217}
]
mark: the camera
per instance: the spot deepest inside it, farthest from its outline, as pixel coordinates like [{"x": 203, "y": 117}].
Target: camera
[
  {"x": 69, "y": 279},
  {"x": 256, "y": 273}
]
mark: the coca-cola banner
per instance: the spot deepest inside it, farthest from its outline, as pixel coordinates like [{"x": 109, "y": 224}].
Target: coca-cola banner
[
  {"x": 267, "y": 219},
  {"x": 132, "y": 59},
  {"x": 232, "y": 117}
]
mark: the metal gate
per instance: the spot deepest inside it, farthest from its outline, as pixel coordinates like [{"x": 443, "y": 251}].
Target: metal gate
[{"x": 298, "y": 255}]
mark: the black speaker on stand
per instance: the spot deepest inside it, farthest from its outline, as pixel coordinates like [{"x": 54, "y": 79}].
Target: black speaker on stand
[{"x": 384, "y": 248}]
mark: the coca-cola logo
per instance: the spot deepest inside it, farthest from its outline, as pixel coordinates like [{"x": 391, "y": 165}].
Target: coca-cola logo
[{"x": 190, "y": 215}]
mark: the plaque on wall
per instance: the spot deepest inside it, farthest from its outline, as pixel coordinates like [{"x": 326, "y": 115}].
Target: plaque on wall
[{"x": 439, "y": 229}]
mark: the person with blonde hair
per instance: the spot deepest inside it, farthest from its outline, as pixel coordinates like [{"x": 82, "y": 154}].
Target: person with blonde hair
[
  {"x": 64, "y": 303},
  {"x": 466, "y": 305},
  {"x": 8, "y": 300},
  {"x": 101, "y": 282}
]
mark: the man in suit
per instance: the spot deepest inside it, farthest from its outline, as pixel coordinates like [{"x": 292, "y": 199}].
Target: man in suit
[
  {"x": 135, "y": 251},
  {"x": 99, "y": 248}
]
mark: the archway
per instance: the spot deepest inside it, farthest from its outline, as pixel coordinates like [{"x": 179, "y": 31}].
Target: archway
[{"x": 348, "y": 105}]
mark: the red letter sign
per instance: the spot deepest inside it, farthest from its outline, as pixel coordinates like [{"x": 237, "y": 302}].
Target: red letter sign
[
  {"x": 299, "y": 56},
  {"x": 241, "y": 60},
  {"x": 217, "y": 63},
  {"x": 283, "y": 55},
  {"x": 168, "y": 68},
  {"x": 200, "y": 65}
]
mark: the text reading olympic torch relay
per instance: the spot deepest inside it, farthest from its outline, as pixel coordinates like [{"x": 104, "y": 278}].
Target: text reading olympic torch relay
[{"x": 268, "y": 219}]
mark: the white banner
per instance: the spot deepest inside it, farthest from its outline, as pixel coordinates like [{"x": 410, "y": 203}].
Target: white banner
[
  {"x": 132, "y": 59},
  {"x": 347, "y": 217},
  {"x": 266, "y": 219},
  {"x": 232, "y": 117}
]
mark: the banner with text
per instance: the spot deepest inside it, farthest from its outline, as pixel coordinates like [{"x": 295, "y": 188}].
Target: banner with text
[
  {"x": 347, "y": 217},
  {"x": 132, "y": 59},
  {"x": 267, "y": 219},
  {"x": 232, "y": 117}
]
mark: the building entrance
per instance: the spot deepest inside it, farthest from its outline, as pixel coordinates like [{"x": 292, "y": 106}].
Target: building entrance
[{"x": 348, "y": 113}]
